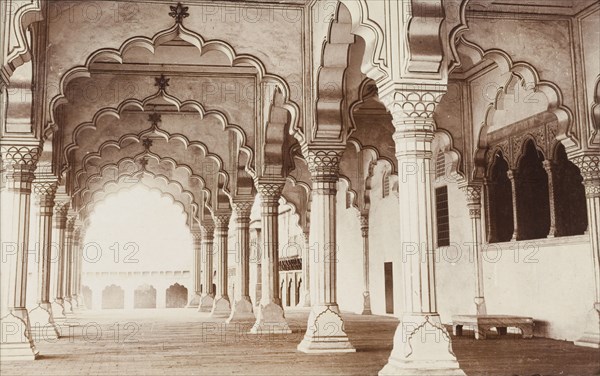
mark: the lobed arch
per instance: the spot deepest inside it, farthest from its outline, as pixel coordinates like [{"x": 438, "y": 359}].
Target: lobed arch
[
  {"x": 134, "y": 104},
  {"x": 518, "y": 73},
  {"x": 125, "y": 141},
  {"x": 113, "y": 171},
  {"x": 443, "y": 142},
  {"x": 182, "y": 198}
]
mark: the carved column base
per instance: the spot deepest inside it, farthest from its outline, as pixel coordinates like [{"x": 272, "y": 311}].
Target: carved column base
[
  {"x": 80, "y": 302},
  {"x": 221, "y": 307},
  {"x": 194, "y": 301},
  {"x": 68, "y": 306},
  {"x": 422, "y": 347},
  {"x": 16, "y": 340},
  {"x": 242, "y": 311},
  {"x": 270, "y": 320},
  {"x": 304, "y": 300},
  {"x": 206, "y": 303},
  {"x": 480, "y": 308},
  {"x": 591, "y": 336},
  {"x": 43, "y": 327},
  {"x": 325, "y": 332},
  {"x": 58, "y": 310},
  {"x": 366, "y": 304}
]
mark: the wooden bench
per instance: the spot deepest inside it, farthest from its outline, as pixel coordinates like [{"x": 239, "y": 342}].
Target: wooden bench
[{"x": 482, "y": 323}]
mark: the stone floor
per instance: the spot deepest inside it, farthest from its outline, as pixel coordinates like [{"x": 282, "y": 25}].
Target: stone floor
[{"x": 185, "y": 342}]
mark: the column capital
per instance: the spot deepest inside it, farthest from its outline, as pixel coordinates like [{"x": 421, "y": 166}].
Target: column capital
[
  {"x": 207, "y": 231},
  {"x": 512, "y": 174},
  {"x": 324, "y": 163},
  {"x": 196, "y": 235},
  {"x": 364, "y": 224},
  {"x": 473, "y": 195},
  {"x": 222, "y": 220},
  {"x": 270, "y": 191},
  {"x": 589, "y": 166},
  {"x": 61, "y": 209},
  {"x": 412, "y": 103},
  {"x": 242, "y": 207},
  {"x": 18, "y": 164}
]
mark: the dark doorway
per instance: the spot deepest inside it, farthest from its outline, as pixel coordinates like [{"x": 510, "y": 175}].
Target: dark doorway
[
  {"x": 298, "y": 291},
  {"x": 532, "y": 193},
  {"x": 500, "y": 202},
  {"x": 177, "y": 296},
  {"x": 389, "y": 287},
  {"x": 571, "y": 208},
  {"x": 144, "y": 297},
  {"x": 113, "y": 297}
]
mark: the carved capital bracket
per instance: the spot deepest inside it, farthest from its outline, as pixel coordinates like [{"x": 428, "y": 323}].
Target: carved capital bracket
[
  {"x": 18, "y": 165},
  {"x": 412, "y": 108},
  {"x": 207, "y": 231},
  {"x": 270, "y": 191},
  {"x": 45, "y": 192},
  {"x": 473, "y": 196},
  {"x": 61, "y": 209},
  {"x": 197, "y": 237},
  {"x": 222, "y": 221},
  {"x": 364, "y": 224},
  {"x": 589, "y": 165},
  {"x": 242, "y": 210}
]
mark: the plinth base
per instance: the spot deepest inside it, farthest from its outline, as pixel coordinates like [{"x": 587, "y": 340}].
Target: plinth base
[
  {"x": 206, "y": 303},
  {"x": 221, "y": 307},
  {"x": 43, "y": 327},
  {"x": 16, "y": 340},
  {"x": 242, "y": 311},
  {"x": 325, "y": 332},
  {"x": 270, "y": 320},
  {"x": 422, "y": 347}
]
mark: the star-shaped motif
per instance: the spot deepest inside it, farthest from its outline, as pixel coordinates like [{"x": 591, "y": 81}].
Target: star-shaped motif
[
  {"x": 144, "y": 163},
  {"x": 162, "y": 82},
  {"x": 147, "y": 143},
  {"x": 179, "y": 12},
  {"x": 154, "y": 118}
]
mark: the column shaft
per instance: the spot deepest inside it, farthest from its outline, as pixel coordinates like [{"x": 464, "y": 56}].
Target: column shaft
[
  {"x": 41, "y": 317},
  {"x": 196, "y": 269},
  {"x": 208, "y": 295},
  {"x": 364, "y": 229},
  {"x": 221, "y": 305},
  {"x": 242, "y": 308},
  {"x": 473, "y": 195},
  {"x": 421, "y": 344},
  {"x": 270, "y": 317},
  {"x": 325, "y": 330}
]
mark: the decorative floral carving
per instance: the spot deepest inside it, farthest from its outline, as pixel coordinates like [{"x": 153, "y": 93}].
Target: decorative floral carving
[{"x": 179, "y": 12}]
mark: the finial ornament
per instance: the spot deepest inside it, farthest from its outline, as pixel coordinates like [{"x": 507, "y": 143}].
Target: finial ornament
[
  {"x": 154, "y": 118},
  {"x": 179, "y": 12}
]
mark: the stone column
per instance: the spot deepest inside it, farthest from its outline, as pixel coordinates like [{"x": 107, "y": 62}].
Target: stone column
[
  {"x": 41, "y": 318},
  {"x": 422, "y": 346},
  {"x": 242, "y": 308},
  {"x": 364, "y": 230},
  {"x": 221, "y": 305},
  {"x": 270, "y": 317},
  {"x": 68, "y": 262},
  {"x": 208, "y": 295},
  {"x": 473, "y": 195},
  {"x": 61, "y": 209},
  {"x": 19, "y": 163},
  {"x": 554, "y": 226},
  {"x": 75, "y": 250},
  {"x": 589, "y": 165},
  {"x": 513, "y": 176},
  {"x": 79, "y": 268},
  {"x": 305, "y": 300},
  {"x": 196, "y": 269},
  {"x": 325, "y": 330}
]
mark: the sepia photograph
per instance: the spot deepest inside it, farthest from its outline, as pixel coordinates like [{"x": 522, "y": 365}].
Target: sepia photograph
[{"x": 300, "y": 187}]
